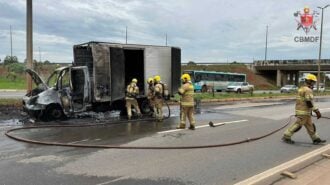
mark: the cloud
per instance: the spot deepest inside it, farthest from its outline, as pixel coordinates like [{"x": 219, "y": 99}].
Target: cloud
[{"x": 209, "y": 30}]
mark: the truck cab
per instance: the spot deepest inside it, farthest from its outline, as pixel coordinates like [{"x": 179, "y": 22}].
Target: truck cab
[{"x": 66, "y": 91}]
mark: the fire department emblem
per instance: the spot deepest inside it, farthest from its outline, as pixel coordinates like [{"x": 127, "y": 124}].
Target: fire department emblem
[{"x": 306, "y": 20}]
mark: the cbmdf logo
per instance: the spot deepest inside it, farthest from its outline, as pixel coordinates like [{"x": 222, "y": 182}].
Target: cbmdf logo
[{"x": 306, "y": 21}]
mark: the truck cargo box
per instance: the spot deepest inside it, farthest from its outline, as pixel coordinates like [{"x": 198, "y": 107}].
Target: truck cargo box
[{"x": 113, "y": 65}]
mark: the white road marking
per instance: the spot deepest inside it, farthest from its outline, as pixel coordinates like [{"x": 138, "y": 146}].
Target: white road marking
[
  {"x": 202, "y": 126},
  {"x": 111, "y": 181},
  {"x": 78, "y": 141}
]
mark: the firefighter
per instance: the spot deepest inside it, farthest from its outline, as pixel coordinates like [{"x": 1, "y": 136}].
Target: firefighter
[
  {"x": 131, "y": 93},
  {"x": 304, "y": 108},
  {"x": 187, "y": 102},
  {"x": 158, "y": 97},
  {"x": 151, "y": 95}
]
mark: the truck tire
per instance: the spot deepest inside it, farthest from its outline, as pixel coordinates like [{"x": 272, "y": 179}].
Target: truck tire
[
  {"x": 53, "y": 112},
  {"x": 146, "y": 107}
]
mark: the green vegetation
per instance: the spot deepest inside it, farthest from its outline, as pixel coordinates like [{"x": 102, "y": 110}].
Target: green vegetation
[
  {"x": 8, "y": 83},
  {"x": 12, "y": 75}
]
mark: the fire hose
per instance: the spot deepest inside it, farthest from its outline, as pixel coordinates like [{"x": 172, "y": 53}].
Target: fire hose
[{"x": 8, "y": 134}]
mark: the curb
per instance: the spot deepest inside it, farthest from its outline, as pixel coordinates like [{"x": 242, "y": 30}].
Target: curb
[
  {"x": 12, "y": 90},
  {"x": 274, "y": 174}
]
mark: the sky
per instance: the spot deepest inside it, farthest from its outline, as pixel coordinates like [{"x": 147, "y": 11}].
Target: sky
[{"x": 207, "y": 31}]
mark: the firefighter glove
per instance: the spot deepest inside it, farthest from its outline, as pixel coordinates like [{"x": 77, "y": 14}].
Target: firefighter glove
[{"x": 318, "y": 114}]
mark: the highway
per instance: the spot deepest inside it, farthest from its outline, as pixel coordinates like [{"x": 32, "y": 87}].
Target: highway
[{"x": 22, "y": 163}]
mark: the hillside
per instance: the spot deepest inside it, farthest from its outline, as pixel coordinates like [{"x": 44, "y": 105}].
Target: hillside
[{"x": 258, "y": 81}]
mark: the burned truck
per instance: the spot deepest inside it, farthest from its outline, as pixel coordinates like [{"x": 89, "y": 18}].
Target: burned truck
[{"x": 97, "y": 79}]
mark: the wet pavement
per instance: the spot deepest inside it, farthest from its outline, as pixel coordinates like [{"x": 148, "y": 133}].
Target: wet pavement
[{"x": 23, "y": 163}]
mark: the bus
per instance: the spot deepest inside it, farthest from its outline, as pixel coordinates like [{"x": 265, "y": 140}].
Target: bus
[{"x": 205, "y": 81}]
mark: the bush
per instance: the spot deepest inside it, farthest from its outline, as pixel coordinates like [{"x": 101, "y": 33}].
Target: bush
[{"x": 16, "y": 68}]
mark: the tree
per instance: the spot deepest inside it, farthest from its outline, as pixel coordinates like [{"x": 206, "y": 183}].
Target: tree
[
  {"x": 10, "y": 60},
  {"x": 191, "y": 63},
  {"x": 46, "y": 62},
  {"x": 16, "y": 68}
]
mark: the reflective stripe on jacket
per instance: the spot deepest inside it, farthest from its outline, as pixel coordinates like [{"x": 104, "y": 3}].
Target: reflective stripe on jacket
[
  {"x": 304, "y": 94},
  {"x": 187, "y": 94},
  {"x": 132, "y": 90}
]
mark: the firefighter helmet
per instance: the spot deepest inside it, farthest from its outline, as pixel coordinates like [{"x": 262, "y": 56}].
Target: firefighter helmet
[
  {"x": 134, "y": 80},
  {"x": 311, "y": 77},
  {"x": 157, "y": 78},
  {"x": 185, "y": 77},
  {"x": 150, "y": 80}
]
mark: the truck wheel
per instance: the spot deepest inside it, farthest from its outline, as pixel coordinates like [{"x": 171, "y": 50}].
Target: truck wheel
[
  {"x": 53, "y": 112},
  {"x": 239, "y": 91},
  {"x": 145, "y": 107}
]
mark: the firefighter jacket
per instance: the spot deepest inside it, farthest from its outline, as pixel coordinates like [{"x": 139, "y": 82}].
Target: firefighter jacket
[
  {"x": 132, "y": 91},
  {"x": 187, "y": 94},
  {"x": 159, "y": 91},
  {"x": 305, "y": 94},
  {"x": 151, "y": 90}
]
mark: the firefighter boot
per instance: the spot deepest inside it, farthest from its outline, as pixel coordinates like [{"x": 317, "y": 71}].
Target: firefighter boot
[
  {"x": 287, "y": 140},
  {"x": 192, "y": 127},
  {"x": 318, "y": 141},
  {"x": 181, "y": 126}
]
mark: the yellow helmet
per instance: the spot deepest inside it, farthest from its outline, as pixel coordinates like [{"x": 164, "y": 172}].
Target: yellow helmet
[
  {"x": 157, "y": 78},
  {"x": 311, "y": 77},
  {"x": 185, "y": 77},
  {"x": 150, "y": 80},
  {"x": 134, "y": 80}
]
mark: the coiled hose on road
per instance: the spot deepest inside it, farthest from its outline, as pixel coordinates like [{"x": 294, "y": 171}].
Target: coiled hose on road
[{"x": 8, "y": 134}]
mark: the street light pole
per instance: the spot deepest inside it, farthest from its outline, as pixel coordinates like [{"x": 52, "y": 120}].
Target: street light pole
[
  {"x": 320, "y": 50},
  {"x": 29, "y": 42},
  {"x": 266, "y": 43}
]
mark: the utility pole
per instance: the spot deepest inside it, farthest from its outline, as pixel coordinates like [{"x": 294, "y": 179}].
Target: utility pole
[
  {"x": 39, "y": 55},
  {"x": 166, "y": 39},
  {"x": 266, "y": 43},
  {"x": 11, "y": 44},
  {"x": 320, "y": 50},
  {"x": 29, "y": 42},
  {"x": 126, "y": 34}
]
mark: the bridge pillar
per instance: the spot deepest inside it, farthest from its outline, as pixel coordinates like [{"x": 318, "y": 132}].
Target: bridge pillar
[
  {"x": 279, "y": 78},
  {"x": 292, "y": 78},
  {"x": 285, "y": 78},
  {"x": 296, "y": 80}
]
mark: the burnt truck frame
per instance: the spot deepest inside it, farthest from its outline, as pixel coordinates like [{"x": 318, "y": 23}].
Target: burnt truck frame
[{"x": 98, "y": 77}]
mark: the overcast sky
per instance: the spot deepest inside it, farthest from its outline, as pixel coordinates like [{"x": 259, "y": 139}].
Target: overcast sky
[{"x": 205, "y": 30}]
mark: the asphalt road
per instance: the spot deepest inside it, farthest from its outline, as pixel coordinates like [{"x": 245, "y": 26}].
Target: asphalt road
[
  {"x": 12, "y": 94},
  {"x": 22, "y": 163}
]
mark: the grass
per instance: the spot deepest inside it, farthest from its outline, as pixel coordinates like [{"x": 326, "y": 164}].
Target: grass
[{"x": 19, "y": 83}]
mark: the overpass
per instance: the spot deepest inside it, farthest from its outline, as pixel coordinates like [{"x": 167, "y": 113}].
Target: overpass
[{"x": 287, "y": 71}]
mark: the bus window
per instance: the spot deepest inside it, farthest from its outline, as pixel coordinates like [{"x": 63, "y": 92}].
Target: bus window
[
  {"x": 198, "y": 77},
  {"x": 219, "y": 77},
  {"x": 211, "y": 77},
  {"x": 225, "y": 77},
  {"x": 204, "y": 77}
]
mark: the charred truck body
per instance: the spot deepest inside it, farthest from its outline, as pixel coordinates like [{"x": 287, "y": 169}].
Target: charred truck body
[{"x": 98, "y": 78}]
